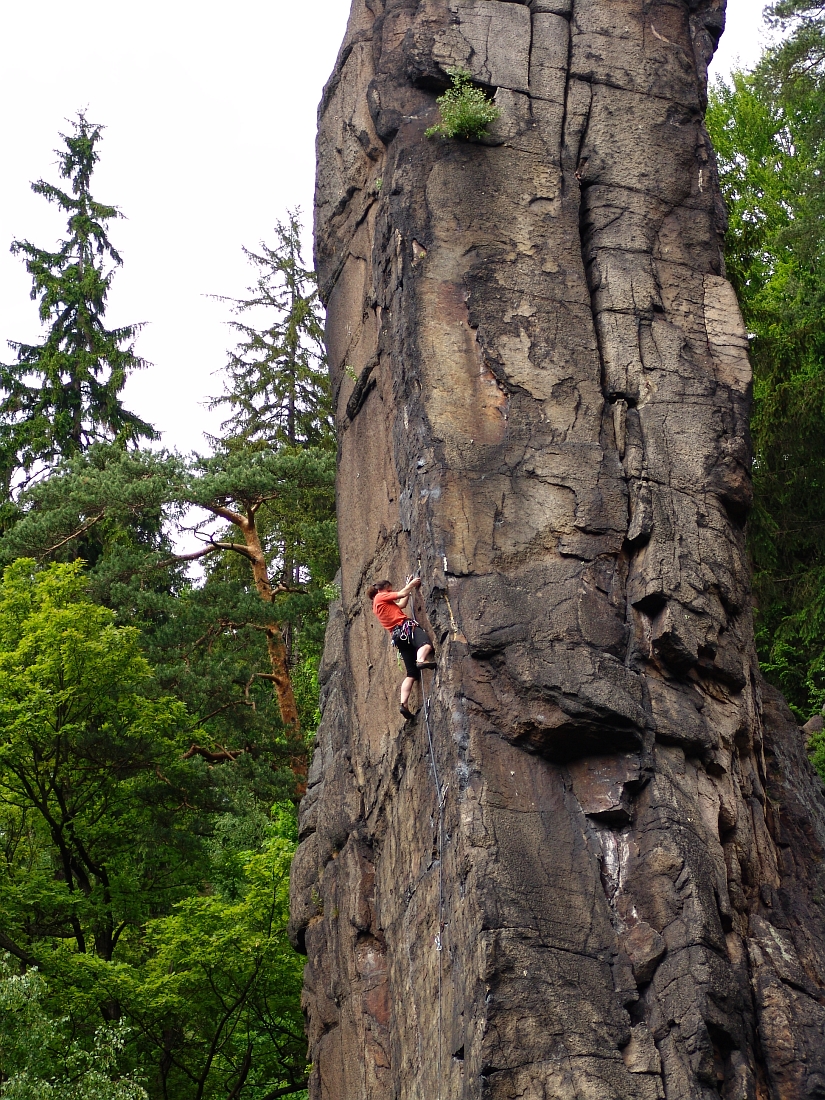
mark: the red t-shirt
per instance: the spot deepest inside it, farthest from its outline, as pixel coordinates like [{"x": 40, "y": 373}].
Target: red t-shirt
[{"x": 387, "y": 611}]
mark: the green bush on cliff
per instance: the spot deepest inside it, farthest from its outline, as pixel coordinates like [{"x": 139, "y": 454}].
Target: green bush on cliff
[{"x": 466, "y": 111}]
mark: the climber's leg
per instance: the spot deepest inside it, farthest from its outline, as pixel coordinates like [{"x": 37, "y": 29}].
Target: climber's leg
[
  {"x": 423, "y": 655},
  {"x": 406, "y": 688},
  {"x": 407, "y": 653}
]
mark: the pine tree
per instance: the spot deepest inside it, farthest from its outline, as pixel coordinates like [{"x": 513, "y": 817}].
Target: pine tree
[
  {"x": 278, "y": 389},
  {"x": 801, "y": 54},
  {"x": 63, "y": 393},
  {"x": 277, "y": 383},
  {"x": 214, "y": 645}
]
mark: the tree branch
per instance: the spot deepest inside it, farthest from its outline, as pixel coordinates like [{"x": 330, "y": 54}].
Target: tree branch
[
  {"x": 286, "y": 1090},
  {"x": 236, "y": 548},
  {"x": 18, "y": 952},
  {"x": 118, "y": 932},
  {"x": 226, "y": 513},
  {"x": 213, "y": 757},
  {"x": 212, "y": 548},
  {"x": 214, "y": 1045},
  {"x": 243, "y": 1073},
  {"x": 220, "y": 710},
  {"x": 74, "y": 535},
  {"x": 190, "y": 557}
]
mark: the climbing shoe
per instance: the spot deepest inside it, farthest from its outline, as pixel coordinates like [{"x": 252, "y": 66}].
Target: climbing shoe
[
  {"x": 408, "y": 715},
  {"x": 426, "y": 664}
]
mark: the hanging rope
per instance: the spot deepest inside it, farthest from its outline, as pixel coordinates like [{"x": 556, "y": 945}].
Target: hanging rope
[{"x": 441, "y": 795}]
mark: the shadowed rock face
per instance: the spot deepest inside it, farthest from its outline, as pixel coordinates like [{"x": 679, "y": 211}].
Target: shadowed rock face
[{"x": 614, "y": 889}]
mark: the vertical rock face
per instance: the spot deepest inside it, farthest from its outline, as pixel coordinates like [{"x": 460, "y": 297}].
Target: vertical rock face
[{"x": 605, "y": 880}]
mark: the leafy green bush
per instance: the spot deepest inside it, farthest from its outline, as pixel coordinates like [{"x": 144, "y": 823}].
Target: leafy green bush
[
  {"x": 816, "y": 750},
  {"x": 39, "y": 1059},
  {"x": 466, "y": 111}
]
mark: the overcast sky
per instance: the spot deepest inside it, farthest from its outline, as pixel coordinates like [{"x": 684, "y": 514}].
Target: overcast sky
[{"x": 210, "y": 126}]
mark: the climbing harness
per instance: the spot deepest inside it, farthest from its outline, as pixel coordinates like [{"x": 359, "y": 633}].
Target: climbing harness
[{"x": 404, "y": 632}]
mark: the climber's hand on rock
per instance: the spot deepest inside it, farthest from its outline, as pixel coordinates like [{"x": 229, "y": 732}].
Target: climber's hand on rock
[{"x": 412, "y": 582}]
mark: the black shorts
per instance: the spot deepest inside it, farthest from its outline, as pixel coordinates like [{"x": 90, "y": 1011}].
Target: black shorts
[{"x": 408, "y": 651}]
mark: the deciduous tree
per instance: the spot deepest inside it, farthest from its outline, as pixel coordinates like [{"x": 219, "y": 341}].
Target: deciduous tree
[
  {"x": 768, "y": 129},
  {"x": 98, "y": 807}
]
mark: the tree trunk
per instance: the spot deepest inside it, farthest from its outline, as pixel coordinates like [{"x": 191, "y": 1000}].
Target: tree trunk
[
  {"x": 614, "y": 886},
  {"x": 278, "y": 658}
]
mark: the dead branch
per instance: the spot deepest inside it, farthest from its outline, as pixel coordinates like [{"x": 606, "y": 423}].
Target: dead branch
[
  {"x": 74, "y": 535},
  {"x": 213, "y": 757},
  {"x": 195, "y": 556}
]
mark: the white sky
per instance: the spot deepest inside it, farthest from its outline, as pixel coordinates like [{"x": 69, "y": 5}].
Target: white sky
[{"x": 210, "y": 113}]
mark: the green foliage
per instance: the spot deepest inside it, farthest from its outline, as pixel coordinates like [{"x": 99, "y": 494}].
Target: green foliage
[
  {"x": 91, "y": 772},
  {"x": 39, "y": 1059},
  {"x": 816, "y": 748},
  {"x": 466, "y": 111},
  {"x": 64, "y": 393},
  {"x": 206, "y": 643},
  {"x": 143, "y": 866},
  {"x": 147, "y": 887},
  {"x": 219, "y": 991},
  {"x": 768, "y": 130}
]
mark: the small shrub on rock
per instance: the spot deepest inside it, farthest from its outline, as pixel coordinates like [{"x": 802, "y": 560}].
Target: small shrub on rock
[{"x": 466, "y": 111}]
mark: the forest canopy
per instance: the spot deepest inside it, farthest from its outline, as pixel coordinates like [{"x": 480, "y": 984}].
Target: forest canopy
[{"x": 155, "y": 722}]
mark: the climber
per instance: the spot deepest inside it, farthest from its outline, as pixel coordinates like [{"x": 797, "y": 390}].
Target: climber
[{"x": 407, "y": 635}]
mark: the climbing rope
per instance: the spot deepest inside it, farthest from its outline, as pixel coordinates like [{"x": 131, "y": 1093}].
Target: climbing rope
[{"x": 441, "y": 795}]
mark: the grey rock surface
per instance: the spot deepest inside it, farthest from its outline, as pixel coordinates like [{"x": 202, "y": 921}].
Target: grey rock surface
[
  {"x": 814, "y": 725},
  {"x": 614, "y": 888}
]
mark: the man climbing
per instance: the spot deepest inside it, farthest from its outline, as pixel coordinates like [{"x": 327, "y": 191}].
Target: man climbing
[{"x": 407, "y": 635}]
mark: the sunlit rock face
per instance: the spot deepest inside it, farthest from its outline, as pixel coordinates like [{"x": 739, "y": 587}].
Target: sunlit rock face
[{"x": 615, "y": 887}]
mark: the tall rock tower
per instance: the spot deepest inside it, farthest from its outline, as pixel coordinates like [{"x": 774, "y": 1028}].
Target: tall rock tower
[{"x": 598, "y": 874}]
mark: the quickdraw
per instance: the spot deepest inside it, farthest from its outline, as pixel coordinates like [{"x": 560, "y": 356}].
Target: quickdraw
[{"x": 403, "y": 633}]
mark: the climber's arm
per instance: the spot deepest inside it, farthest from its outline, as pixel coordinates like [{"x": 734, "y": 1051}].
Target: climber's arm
[{"x": 405, "y": 593}]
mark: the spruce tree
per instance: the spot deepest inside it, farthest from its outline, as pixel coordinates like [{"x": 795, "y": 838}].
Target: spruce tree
[
  {"x": 63, "y": 394},
  {"x": 278, "y": 390},
  {"x": 277, "y": 384}
]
